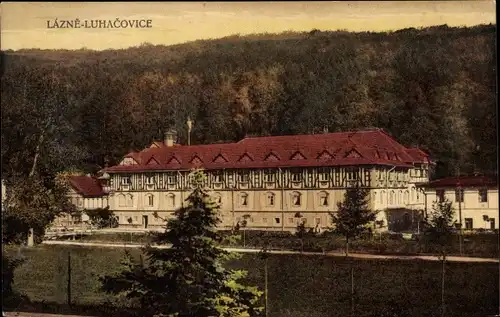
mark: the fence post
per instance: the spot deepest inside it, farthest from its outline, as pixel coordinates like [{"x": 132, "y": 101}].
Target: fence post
[{"x": 69, "y": 279}]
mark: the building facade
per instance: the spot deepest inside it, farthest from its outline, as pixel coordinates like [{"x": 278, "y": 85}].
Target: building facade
[
  {"x": 474, "y": 198},
  {"x": 272, "y": 182},
  {"x": 85, "y": 192}
]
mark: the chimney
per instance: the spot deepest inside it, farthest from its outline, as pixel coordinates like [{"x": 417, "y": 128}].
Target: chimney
[{"x": 170, "y": 138}]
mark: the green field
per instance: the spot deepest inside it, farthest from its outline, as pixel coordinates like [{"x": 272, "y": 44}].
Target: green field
[{"x": 302, "y": 286}]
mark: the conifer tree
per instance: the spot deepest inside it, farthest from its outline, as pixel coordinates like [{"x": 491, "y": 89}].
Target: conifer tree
[
  {"x": 188, "y": 279},
  {"x": 353, "y": 214}
]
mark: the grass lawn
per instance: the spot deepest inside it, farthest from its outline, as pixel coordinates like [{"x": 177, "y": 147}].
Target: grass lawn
[{"x": 299, "y": 286}]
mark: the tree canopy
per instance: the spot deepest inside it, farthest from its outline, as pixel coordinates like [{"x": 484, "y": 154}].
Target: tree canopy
[{"x": 433, "y": 87}]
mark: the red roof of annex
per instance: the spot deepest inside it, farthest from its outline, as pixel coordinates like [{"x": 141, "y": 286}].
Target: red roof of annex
[
  {"x": 369, "y": 147},
  {"x": 463, "y": 181},
  {"x": 87, "y": 186}
]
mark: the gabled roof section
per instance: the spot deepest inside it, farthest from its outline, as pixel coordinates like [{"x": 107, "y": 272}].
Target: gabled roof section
[
  {"x": 245, "y": 158},
  {"x": 173, "y": 161},
  {"x": 369, "y": 147},
  {"x": 353, "y": 153},
  {"x": 272, "y": 157},
  {"x": 196, "y": 160},
  {"x": 219, "y": 159},
  {"x": 297, "y": 156},
  {"x": 325, "y": 155},
  {"x": 152, "y": 161},
  {"x": 87, "y": 186}
]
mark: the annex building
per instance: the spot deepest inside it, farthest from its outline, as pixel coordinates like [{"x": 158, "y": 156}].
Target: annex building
[
  {"x": 273, "y": 182},
  {"x": 474, "y": 198}
]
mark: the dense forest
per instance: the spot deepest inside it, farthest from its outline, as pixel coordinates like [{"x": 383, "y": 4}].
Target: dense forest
[{"x": 434, "y": 88}]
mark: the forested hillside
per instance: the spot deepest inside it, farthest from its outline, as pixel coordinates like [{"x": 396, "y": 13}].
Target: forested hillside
[{"x": 434, "y": 88}]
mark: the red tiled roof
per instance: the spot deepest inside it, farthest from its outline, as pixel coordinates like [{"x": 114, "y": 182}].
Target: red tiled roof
[
  {"x": 418, "y": 155},
  {"x": 87, "y": 186},
  {"x": 373, "y": 147},
  {"x": 463, "y": 181}
]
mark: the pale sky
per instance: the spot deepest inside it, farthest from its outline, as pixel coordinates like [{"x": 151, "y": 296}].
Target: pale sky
[{"x": 24, "y": 25}]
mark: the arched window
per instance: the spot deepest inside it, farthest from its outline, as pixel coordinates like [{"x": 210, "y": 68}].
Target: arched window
[
  {"x": 150, "y": 200},
  {"x": 323, "y": 199},
  {"x": 130, "y": 200},
  {"x": 171, "y": 200},
  {"x": 382, "y": 197},
  {"x": 391, "y": 197},
  {"x": 400, "y": 197},
  {"x": 374, "y": 197},
  {"x": 406, "y": 197},
  {"x": 413, "y": 194},
  {"x": 121, "y": 201},
  {"x": 243, "y": 199},
  {"x": 270, "y": 199},
  {"x": 296, "y": 199}
]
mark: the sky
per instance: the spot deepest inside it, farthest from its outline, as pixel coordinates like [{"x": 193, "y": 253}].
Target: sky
[{"x": 25, "y": 24}]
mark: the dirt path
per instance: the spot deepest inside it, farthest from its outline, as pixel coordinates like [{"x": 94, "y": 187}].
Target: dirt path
[{"x": 337, "y": 254}]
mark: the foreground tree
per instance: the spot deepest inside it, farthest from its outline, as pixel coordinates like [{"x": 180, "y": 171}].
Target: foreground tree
[
  {"x": 439, "y": 229},
  {"x": 189, "y": 278},
  {"x": 32, "y": 203},
  {"x": 351, "y": 220},
  {"x": 353, "y": 214}
]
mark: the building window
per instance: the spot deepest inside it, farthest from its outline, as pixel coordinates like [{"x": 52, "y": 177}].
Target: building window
[
  {"x": 171, "y": 179},
  {"x": 492, "y": 223},
  {"x": 217, "y": 177},
  {"x": 291, "y": 220},
  {"x": 406, "y": 197},
  {"x": 324, "y": 176},
  {"x": 459, "y": 195},
  {"x": 171, "y": 200},
  {"x": 277, "y": 221},
  {"x": 121, "y": 201},
  {"x": 391, "y": 197},
  {"x": 296, "y": 199},
  {"x": 352, "y": 174},
  {"x": 270, "y": 199},
  {"x": 382, "y": 197},
  {"x": 323, "y": 199},
  {"x": 483, "y": 195},
  {"x": 440, "y": 195},
  {"x": 468, "y": 224},
  {"x": 125, "y": 180},
  {"x": 264, "y": 220},
  {"x": 243, "y": 177},
  {"x": 130, "y": 200},
  {"x": 269, "y": 176},
  {"x": 150, "y": 180},
  {"x": 244, "y": 199},
  {"x": 150, "y": 200},
  {"x": 296, "y": 176}
]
